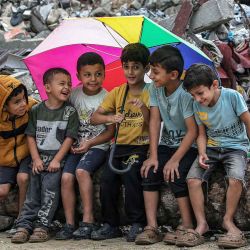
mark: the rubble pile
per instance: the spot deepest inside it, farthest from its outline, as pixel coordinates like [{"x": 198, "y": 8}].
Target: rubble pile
[{"x": 220, "y": 28}]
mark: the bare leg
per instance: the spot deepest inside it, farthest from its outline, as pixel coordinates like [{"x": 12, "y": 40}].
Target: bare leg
[
  {"x": 68, "y": 197},
  {"x": 197, "y": 200},
  {"x": 233, "y": 196},
  {"x": 22, "y": 182},
  {"x": 185, "y": 210},
  {"x": 4, "y": 190},
  {"x": 151, "y": 204},
  {"x": 86, "y": 191}
]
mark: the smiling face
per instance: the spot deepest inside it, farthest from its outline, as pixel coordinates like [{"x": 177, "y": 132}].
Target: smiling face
[
  {"x": 204, "y": 95},
  {"x": 17, "y": 105},
  {"x": 91, "y": 77},
  {"x": 59, "y": 87},
  {"x": 134, "y": 72}
]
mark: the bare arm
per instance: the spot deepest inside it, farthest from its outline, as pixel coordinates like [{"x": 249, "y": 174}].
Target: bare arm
[
  {"x": 172, "y": 165},
  {"x": 154, "y": 134},
  {"x": 105, "y": 136},
  {"x": 245, "y": 118},
  {"x": 55, "y": 163},
  {"x": 37, "y": 163}
]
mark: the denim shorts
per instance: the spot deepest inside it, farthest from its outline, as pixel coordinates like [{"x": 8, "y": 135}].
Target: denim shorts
[
  {"x": 8, "y": 174},
  {"x": 90, "y": 161},
  {"x": 234, "y": 162}
]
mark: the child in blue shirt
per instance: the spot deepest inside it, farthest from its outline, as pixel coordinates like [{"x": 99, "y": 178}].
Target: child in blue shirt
[{"x": 224, "y": 123}]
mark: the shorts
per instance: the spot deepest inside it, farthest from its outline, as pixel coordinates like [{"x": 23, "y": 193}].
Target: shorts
[
  {"x": 8, "y": 174},
  {"x": 90, "y": 161},
  {"x": 234, "y": 162},
  {"x": 154, "y": 181}
]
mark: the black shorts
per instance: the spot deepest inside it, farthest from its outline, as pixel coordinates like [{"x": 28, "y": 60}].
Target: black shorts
[
  {"x": 8, "y": 174},
  {"x": 154, "y": 181}
]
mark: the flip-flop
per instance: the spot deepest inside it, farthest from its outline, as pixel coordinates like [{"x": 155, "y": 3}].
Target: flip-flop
[
  {"x": 171, "y": 237},
  {"x": 232, "y": 241},
  {"x": 190, "y": 238}
]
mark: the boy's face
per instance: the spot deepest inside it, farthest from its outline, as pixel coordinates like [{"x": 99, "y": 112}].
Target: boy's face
[
  {"x": 134, "y": 72},
  {"x": 204, "y": 95},
  {"x": 160, "y": 76},
  {"x": 59, "y": 87},
  {"x": 91, "y": 77},
  {"x": 17, "y": 105}
]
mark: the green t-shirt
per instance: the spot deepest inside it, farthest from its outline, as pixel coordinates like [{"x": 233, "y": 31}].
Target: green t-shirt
[{"x": 51, "y": 127}]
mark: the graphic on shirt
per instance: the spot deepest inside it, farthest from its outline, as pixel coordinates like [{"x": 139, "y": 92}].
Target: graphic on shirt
[
  {"x": 131, "y": 160},
  {"x": 68, "y": 111},
  {"x": 171, "y": 137},
  {"x": 203, "y": 116}
]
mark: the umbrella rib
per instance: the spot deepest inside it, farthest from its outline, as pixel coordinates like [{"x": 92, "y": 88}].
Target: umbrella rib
[
  {"x": 112, "y": 35},
  {"x": 104, "y": 52}
]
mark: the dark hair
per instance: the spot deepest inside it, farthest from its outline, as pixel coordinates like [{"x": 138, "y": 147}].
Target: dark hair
[
  {"x": 136, "y": 52},
  {"x": 49, "y": 74},
  {"x": 89, "y": 58},
  {"x": 199, "y": 74},
  {"x": 169, "y": 58},
  {"x": 16, "y": 92}
]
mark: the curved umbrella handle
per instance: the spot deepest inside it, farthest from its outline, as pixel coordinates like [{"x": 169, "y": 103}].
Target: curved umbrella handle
[{"x": 110, "y": 162}]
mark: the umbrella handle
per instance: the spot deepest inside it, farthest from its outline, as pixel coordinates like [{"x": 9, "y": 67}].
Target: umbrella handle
[{"x": 110, "y": 162}]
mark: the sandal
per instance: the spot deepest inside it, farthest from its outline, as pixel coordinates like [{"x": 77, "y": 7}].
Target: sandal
[
  {"x": 171, "y": 237},
  {"x": 150, "y": 235},
  {"x": 190, "y": 238},
  {"x": 232, "y": 241},
  {"x": 39, "y": 235},
  {"x": 21, "y": 236}
]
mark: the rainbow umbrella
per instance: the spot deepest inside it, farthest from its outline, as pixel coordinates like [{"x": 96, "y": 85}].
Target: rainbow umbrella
[{"x": 105, "y": 36}]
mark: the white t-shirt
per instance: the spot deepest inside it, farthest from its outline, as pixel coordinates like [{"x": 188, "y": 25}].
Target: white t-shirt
[{"x": 85, "y": 106}]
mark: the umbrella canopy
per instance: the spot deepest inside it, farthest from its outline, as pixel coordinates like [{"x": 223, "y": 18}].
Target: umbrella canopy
[{"x": 105, "y": 36}]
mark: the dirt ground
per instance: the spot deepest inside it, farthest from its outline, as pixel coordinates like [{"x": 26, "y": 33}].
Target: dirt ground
[{"x": 114, "y": 244}]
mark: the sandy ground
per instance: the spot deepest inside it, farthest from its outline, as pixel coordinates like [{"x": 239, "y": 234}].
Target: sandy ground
[{"x": 114, "y": 244}]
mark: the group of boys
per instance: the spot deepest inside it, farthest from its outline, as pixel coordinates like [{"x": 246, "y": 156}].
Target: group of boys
[{"x": 68, "y": 138}]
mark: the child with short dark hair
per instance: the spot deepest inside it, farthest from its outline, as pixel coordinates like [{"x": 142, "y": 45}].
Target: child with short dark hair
[
  {"x": 90, "y": 153},
  {"x": 224, "y": 123},
  {"x": 52, "y": 128},
  {"x": 14, "y": 153},
  {"x": 131, "y": 146},
  {"x": 171, "y": 160}
]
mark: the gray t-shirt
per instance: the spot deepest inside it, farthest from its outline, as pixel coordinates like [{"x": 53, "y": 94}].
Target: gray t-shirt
[
  {"x": 51, "y": 127},
  {"x": 174, "y": 109},
  {"x": 222, "y": 121},
  {"x": 86, "y": 105}
]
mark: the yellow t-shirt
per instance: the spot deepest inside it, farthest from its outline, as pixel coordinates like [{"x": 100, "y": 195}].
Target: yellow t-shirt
[{"x": 133, "y": 130}]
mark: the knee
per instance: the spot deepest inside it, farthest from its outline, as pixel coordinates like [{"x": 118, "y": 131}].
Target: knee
[
  {"x": 22, "y": 180},
  {"x": 67, "y": 181},
  {"x": 194, "y": 183},
  {"x": 232, "y": 182},
  {"x": 80, "y": 173},
  {"x": 3, "y": 193}
]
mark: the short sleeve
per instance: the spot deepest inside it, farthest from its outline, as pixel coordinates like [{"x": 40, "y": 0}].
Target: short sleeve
[
  {"x": 195, "y": 109},
  {"x": 73, "y": 126},
  {"x": 187, "y": 105},
  {"x": 31, "y": 128},
  {"x": 108, "y": 103},
  {"x": 239, "y": 103},
  {"x": 153, "y": 97}
]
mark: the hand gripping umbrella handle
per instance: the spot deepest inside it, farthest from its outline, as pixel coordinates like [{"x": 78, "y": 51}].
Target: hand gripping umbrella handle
[{"x": 112, "y": 151}]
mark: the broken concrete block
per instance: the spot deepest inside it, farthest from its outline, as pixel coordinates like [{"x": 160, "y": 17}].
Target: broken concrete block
[{"x": 211, "y": 14}]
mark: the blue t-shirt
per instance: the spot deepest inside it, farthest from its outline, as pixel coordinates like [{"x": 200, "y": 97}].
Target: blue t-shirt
[
  {"x": 174, "y": 109},
  {"x": 222, "y": 121}
]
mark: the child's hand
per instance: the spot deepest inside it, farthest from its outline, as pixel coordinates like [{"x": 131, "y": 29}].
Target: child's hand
[
  {"x": 116, "y": 118},
  {"x": 149, "y": 163},
  {"x": 170, "y": 169},
  {"x": 83, "y": 147},
  {"x": 137, "y": 102},
  {"x": 202, "y": 161},
  {"x": 37, "y": 166},
  {"x": 54, "y": 166}
]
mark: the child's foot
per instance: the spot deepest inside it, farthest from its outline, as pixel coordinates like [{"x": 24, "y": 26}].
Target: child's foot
[
  {"x": 66, "y": 232},
  {"x": 84, "y": 231},
  {"x": 21, "y": 236},
  {"x": 135, "y": 229},
  {"x": 202, "y": 228},
  {"x": 106, "y": 232},
  {"x": 231, "y": 227}
]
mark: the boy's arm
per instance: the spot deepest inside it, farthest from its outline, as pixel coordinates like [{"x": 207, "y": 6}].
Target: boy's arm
[
  {"x": 245, "y": 118},
  {"x": 55, "y": 163},
  {"x": 154, "y": 134},
  {"x": 37, "y": 163},
  {"x": 105, "y": 136},
  {"x": 101, "y": 117},
  {"x": 171, "y": 168}
]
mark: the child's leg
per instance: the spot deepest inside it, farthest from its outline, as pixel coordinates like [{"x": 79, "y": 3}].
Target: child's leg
[
  {"x": 90, "y": 162},
  {"x": 4, "y": 190},
  {"x": 22, "y": 182}
]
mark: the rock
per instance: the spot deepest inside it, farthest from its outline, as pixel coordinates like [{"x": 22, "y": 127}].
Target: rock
[
  {"x": 100, "y": 12},
  {"x": 6, "y": 222},
  {"x": 135, "y": 5}
]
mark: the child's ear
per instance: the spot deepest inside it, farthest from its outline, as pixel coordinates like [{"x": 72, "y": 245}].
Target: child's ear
[
  {"x": 47, "y": 87},
  {"x": 215, "y": 84},
  {"x": 174, "y": 75}
]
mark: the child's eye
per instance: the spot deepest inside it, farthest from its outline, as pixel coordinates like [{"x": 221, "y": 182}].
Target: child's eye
[
  {"x": 86, "y": 75},
  {"x": 99, "y": 74}
]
